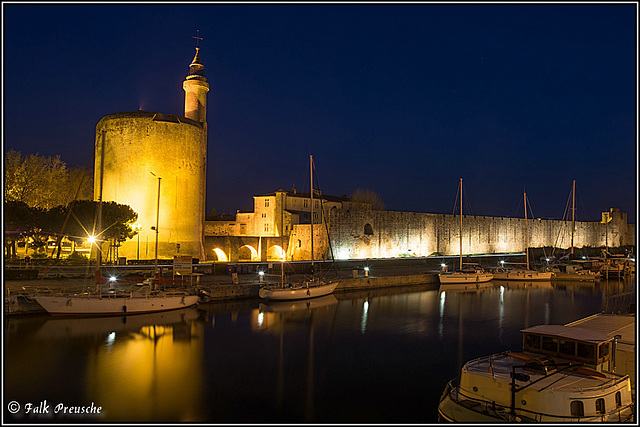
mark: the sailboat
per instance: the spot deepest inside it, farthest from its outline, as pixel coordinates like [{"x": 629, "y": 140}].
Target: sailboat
[
  {"x": 572, "y": 270},
  {"x": 312, "y": 288},
  {"x": 470, "y": 273},
  {"x": 522, "y": 273}
]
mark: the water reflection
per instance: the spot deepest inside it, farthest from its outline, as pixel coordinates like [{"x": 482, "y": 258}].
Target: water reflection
[
  {"x": 272, "y": 317},
  {"x": 379, "y": 356}
]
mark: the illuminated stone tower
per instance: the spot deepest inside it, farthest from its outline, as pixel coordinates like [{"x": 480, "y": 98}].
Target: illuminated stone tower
[
  {"x": 195, "y": 91},
  {"x": 145, "y": 150}
]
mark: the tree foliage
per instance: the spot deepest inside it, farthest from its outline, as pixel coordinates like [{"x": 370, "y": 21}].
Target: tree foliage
[
  {"x": 117, "y": 221},
  {"x": 44, "y": 182},
  {"x": 22, "y": 221},
  {"x": 368, "y": 196}
]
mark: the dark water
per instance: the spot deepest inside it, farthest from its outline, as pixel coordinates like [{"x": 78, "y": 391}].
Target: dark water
[{"x": 368, "y": 357}]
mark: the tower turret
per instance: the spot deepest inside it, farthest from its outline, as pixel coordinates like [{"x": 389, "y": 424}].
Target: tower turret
[{"x": 195, "y": 90}]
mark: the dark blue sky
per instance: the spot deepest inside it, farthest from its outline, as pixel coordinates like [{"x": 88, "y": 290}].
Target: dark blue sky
[{"x": 400, "y": 99}]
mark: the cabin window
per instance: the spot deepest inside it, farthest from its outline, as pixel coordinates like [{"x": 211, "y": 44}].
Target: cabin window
[
  {"x": 586, "y": 351},
  {"x": 618, "y": 399},
  {"x": 532, "y": 342},
  {"x": 568, "y": 347},
  {"x": 600, "y": 406},
  {"x": 603, "y": 351},
  {"x": 577, "y": 408},
  {"x": 550, "y": 344}
]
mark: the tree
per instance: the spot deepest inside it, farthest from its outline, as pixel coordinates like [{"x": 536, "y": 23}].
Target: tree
[
  {"x": 44, "y": 182},
  {"x": 19, "y": 223},
  {"x": 368, "y": 196}
]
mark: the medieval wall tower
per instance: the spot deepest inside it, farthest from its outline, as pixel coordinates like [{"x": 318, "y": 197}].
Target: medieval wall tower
[{"x": 156, "y": 163}]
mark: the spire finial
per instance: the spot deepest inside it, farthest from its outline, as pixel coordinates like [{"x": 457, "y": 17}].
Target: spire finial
[
  {"x": 198, "y": 38},
  {"x": 196, "y": 67}
]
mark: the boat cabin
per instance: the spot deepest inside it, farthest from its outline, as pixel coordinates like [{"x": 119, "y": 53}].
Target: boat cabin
[{"x": 593, "y": 348}]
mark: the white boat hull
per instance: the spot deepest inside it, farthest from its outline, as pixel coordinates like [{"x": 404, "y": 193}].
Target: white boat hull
[
  {"x": 301, "y": 292},
  {"x": 522, "y": 275},
  {"x": 106, "y": 305},
  {"x": 457, "y": 277}
]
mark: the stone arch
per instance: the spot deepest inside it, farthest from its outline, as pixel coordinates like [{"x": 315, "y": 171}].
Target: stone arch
[
  {"x": 247, "y": 253},
  {"x": 275, "y": 253},
  {"x": 220, "y": 255},
  {"x": 368, "y": 230}
]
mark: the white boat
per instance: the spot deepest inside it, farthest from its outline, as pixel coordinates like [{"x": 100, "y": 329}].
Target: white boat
[
  {"x": 308, "y": 288},
  {"x": 573, "y": 272},
  {"x": 472, "y": 273},
  {"x": 521, "y": 274},
  {"x": 115, "y": 303},
  {"x": 565, "y": 374}
]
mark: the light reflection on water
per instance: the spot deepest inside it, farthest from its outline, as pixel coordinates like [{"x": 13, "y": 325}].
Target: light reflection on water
[{"x": 367, "y": 357}]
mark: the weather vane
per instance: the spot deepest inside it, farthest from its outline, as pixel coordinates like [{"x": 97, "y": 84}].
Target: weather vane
[{"x": 197, "y": 37}]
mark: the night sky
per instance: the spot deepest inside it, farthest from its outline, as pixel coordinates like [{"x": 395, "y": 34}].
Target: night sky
[{"x": 400, "y": 99}]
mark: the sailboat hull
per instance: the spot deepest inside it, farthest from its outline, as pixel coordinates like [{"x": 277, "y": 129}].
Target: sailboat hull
[
  {"x": 299, "y": 292},
  {"x": 105, "y": 306},
  {"x": 458, "y": 277},
  {"x": 522, "y": 275}
]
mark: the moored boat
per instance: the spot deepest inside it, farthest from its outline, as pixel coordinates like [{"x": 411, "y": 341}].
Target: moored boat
[
  {"x": 472, "y": 273},
  {"x": 521, "y": 274},
  {"x": 116, "y": 303},
  {"x": 469, "y": 273},
  {"x": 313, "y": 288},
  {"x": 565, "y": 374},
  {"x": 308, "y": 289}
]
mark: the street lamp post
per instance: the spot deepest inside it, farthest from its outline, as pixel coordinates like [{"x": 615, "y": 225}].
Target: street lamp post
[{"x": 155, "y": 269}]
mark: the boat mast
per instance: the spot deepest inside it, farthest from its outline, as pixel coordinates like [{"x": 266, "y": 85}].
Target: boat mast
[
  {"x": 98, "y": 234},
  {"x": 573, "y": 213},
  {"x": 311, "y": 176},
  {"x": 526, "y": 229},
  {"x": 460, "y": 223}
]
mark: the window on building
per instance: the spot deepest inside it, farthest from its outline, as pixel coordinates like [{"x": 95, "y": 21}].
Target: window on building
[
  {"x": 266, "y": 203},
  {"x": 266, "y": 228},
  {"x": 243, "y": 228},
  {"x": 368, "y": 230},
  {"x": 299, "y": 243},
  {"x": 316, "y": 204},
  {"x": 577, "y": 408},
  {"x": 306, "y": 203},
  {"x": 264, "y": 215},
  {"x": 618, "y": 399},
  {"x": 600, "y": 406}
]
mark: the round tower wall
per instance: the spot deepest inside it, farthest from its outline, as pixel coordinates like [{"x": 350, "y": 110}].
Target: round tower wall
[{"x": 174, "y": 149}]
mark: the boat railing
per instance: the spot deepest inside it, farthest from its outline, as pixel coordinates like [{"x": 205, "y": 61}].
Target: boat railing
[{"x": 481, "y": 405}]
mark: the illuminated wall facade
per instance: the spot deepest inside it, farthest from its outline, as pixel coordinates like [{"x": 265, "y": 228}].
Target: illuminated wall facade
[
  {"x": 382, "y": 234},
  {"x": 139, "y": 147},
  {"x": 359, "y": 232}
]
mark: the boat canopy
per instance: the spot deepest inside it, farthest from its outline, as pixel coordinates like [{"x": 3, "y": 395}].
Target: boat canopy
[{"x": 574, "y": 333}]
